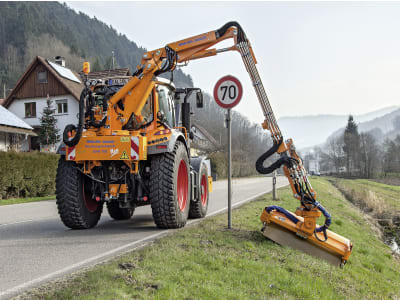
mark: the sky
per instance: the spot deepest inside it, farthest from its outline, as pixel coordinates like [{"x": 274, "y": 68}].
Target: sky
[{"x": 313, "y": 57}]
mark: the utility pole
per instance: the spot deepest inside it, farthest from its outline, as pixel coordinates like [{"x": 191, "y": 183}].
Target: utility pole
[{"x": 113, "y": 61}]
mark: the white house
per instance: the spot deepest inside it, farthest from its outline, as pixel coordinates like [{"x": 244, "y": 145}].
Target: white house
[
  {"x": 15, "y": 134},
  {"x": 44, "y": 78}
]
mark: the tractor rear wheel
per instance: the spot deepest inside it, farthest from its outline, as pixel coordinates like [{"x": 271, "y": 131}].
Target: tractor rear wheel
[
  {"x": 118, "y": 213},
  {"x": 76, "y": 206},
  {"x": 199, "y": 208},
  {"x": 169, "y": 188}
]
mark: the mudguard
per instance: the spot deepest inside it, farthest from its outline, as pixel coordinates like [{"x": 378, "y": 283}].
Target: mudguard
[
  {"x": 170, "y": 144},
  {"x": 61, "y": 149},
  {"x": 195, "y": 165}
]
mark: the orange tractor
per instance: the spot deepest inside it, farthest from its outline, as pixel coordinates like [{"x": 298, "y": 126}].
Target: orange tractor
[{"x": 131, "y": 148}]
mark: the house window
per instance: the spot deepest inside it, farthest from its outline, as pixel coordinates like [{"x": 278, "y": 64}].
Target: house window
[
  {"x": 30, "y": 110},
  {"x": 42, "y": 77},
  {"x": 62, "y": 106}
]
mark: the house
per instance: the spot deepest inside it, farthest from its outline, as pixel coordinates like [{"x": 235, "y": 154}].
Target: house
[
  {"x": 44, "y": 78},
  {"x": 15, "y": 134}
]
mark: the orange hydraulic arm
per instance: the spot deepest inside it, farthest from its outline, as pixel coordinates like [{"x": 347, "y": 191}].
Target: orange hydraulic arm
[{"x": 166, "y": 59}]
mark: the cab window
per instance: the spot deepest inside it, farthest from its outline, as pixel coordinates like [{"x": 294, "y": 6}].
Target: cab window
[
  {"x": 147, "y": 110},
  {"x": 166, "y": 105}
]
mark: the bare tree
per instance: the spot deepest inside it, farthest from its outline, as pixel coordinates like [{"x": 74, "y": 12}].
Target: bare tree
[
  {"x": 48, "y": 47},
  {"x": 369, "y": 155}
]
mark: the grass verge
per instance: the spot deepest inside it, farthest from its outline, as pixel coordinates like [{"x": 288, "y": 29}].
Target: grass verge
[
  {"x": 207, "y": 261},
  {"x": 25, "y": 200},
  {"x": 381, "y": 201}
]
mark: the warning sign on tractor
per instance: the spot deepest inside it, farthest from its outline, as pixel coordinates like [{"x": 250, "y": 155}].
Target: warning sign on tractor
[{"x": 124, "y": 155}]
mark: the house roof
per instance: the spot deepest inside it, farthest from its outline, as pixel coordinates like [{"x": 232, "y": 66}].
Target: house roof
[
  {"x": 108, "y": 73},
  {"x": 7, "y": 118},
  {"x": 73, "y": 87}
]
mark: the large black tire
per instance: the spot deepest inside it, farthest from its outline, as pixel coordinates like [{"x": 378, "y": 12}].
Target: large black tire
[
  {"x": 199, "y": 208},
  {"x": 75, "y": 205},
  {"x": 170, "y": 195},
  {"x": 118, "y": 213}
]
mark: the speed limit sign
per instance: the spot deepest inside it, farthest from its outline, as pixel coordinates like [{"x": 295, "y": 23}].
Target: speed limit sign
[{"x": 228, "y": 91}]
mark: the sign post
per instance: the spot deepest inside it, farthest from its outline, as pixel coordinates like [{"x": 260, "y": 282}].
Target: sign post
[{"x": 227, "y": 94}]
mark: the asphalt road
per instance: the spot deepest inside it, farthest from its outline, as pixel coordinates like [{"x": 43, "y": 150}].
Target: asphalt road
[{"x": 35, "y": 247}]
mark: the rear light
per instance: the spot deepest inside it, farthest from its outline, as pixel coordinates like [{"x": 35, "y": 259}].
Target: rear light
[{"x": 161, "y": 147}]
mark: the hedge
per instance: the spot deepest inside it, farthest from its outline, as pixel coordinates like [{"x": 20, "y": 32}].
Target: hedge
[{"x": 27, "y": 174}]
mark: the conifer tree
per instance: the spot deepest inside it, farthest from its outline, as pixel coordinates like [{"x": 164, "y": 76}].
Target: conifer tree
[
  {"x": 351, "y": 146},
  {"x": 49, "y": 133}
]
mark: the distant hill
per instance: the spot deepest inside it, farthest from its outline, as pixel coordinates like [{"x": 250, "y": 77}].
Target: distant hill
[
  {"x": 24, "y": 23},
  {"x": 308, "y": 131},
  {"x": 381, "y": 127}
]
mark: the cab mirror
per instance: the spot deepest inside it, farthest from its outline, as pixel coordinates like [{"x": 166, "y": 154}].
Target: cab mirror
[{"x": 199, "y": 99}]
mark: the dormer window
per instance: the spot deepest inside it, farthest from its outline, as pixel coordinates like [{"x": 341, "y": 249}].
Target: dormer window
[{"x": 42, "y": 77}]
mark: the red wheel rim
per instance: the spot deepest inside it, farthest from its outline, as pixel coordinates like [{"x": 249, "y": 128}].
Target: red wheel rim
[
  {"x": 183, "y": 182},
  {"x": 90, "y": 203},
  {"x": 204, "y": 184}
]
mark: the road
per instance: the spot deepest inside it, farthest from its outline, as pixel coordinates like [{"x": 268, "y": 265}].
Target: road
[{"x": 35, "y": 247}]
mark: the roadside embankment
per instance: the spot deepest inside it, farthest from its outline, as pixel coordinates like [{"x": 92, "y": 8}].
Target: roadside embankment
[
  {"x": 208, "y": 261},
  {"x": 378, "y": 200}
]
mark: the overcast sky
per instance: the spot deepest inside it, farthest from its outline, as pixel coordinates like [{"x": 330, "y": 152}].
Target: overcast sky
[{"x": 313, "y": 57}]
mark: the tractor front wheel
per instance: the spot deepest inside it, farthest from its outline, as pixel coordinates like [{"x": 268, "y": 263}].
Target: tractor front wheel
[
  {"x": 169, "y": 188},
  {"x": 76, "y": 206}
]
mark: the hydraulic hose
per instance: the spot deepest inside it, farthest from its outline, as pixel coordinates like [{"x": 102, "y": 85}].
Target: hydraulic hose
[
  {"x": 241, "y": 36},
  {"x": 283, "y": 211},
  {"x": 276, "y": 165},
  {"x": 74, "y": 141},
  {"x": 328, "y": 220}
]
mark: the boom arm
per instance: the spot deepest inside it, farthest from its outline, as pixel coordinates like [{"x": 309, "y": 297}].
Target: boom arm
[{"x": 134, "y": 94}]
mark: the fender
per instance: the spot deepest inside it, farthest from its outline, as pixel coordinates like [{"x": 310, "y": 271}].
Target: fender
[
  {"x": 195, "y": 166},
  {"x": 61, "y": 149},
  {"x": 170, "y": 144}
]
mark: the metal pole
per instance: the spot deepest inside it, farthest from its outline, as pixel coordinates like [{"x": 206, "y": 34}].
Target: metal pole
[
  {"x": 274, "y": 186},
  {"x": 228, "y": 123}
]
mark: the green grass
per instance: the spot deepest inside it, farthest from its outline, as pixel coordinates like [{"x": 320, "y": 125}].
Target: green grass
[
  {"x": 25, "y": 200},
  {"x": 207, "y": 261},
  {"x": 389, "y": 194}
]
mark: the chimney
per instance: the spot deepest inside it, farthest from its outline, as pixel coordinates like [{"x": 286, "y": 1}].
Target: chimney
[{"x": 60, "y": 60}]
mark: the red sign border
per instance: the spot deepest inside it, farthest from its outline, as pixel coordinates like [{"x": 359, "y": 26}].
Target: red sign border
[{"x": 240, "y": 92}]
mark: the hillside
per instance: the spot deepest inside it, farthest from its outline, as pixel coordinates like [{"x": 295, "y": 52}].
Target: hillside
[
  {"x": 308, "y": 131},
  {"x": 22, "y": 24},
  {"x": 381, "y": 127}
]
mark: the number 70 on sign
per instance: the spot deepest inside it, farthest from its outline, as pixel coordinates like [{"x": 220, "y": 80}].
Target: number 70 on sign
[{"x": 228, "y": 91}]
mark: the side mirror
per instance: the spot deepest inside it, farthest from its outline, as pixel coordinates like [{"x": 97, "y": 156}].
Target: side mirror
[{"x": 199, "y": 99}]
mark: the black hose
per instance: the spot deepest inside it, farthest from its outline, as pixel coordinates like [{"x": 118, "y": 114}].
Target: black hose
[
  {"x": 241, "y": 36},
  {"x": 276, "y": 165},
  {"x": 75, "y": 140}
]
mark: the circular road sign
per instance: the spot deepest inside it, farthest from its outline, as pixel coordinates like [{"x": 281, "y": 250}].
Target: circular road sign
[{"x": 228, "y": 91}]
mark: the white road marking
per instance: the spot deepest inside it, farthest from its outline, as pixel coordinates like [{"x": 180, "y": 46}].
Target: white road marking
[
  {"x": 122, "y": 249},
  {"x": 19, "y": 222}
]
